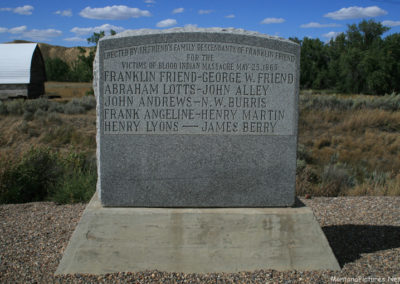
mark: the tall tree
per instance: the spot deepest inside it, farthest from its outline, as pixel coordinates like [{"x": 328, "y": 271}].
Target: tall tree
[{"x": 313, "y": 62}]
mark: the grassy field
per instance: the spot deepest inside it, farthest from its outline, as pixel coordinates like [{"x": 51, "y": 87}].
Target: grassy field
[
  {"x": 67, "y": 90},
  {"x": 348, "y": 145}
]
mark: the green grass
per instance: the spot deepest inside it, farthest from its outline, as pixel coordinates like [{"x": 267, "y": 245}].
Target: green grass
[{"x": 41, "y": 174}]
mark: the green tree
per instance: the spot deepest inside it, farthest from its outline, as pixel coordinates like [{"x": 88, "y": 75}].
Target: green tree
[
  {"x": 358, "y": 61},
  {"x": 95, "y": 37},
  {"x": 313, "y": 64},
  {"x": 391, "y": 67},
  {"x": 365, "y": 34},
  {"x": 82, "y": 68},
  {"x": 57, "y": 70}
]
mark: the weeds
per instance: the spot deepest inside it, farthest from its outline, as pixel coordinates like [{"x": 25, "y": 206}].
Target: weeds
[
  {"x": 332, "y": 102},
  {"x": 31, "y": 178},
  {"x": 42, "y": 107},
  {"x": 361, "y": 133},
  {"x": 78, "y": 182},
  {"x": 45, "y": 175},
  {"x": 348, "y": 145}
]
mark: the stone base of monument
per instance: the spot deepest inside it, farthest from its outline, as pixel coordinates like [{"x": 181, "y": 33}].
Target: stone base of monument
[{"x": 110, "y": 240}]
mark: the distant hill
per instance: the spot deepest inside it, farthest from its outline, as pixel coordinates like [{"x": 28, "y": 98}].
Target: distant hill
[{"x": 67, "y": 54}]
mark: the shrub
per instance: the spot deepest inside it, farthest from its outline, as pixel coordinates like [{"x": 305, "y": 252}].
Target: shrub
[
  {"x": 54, "y": 118},
  {"x": 35, "y": 105},
  {"x": 40, "y": 114},
  {"x": 15, "y": 107},
  {"x": 41, "y": 107},
  {"x": 88, "y": 102},
  {"x": 56, "y": 107},
  {"x": 78, "y": 183},
  {"x": 30, "y": 179},
  {"x": 73, "y": 107},
  {"x": 45, "y": 175},
  {"x": 336, "y": 179},
  {"x": 334, "y": 102},
  {"x": 3, "y": 109},
  {"x": 303, "y": 153},
  {"x": 81, "y": 105},
  {"x": 59, "y": 135},
  {"x": 75, "y": 187},
  {"x": 306, "y": 181},
  {"x": 300, "y": 165},
  {"x": 378, "y": 184},
  {"x": 28, "y": 116},
  {"x": 90, "y": 92}
]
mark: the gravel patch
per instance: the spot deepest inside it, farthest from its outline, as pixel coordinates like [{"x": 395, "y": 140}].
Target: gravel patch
[{"x": 364, "y": 233}]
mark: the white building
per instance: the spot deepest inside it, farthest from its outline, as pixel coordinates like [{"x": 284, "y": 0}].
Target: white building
[{"x": 22, "y": 71}]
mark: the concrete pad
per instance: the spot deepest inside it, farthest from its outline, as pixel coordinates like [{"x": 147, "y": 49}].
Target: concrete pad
[{"x": 110, "y": 240}]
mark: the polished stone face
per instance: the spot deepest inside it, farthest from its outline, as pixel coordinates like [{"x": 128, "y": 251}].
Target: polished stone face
[{"x": 196, "y": 118}]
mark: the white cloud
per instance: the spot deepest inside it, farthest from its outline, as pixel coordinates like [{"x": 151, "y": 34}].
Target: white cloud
[
  {"x": 178, "y": 10},
  {"x": 166, "y": 23},
  {"x": 205, "y": 12},
  {"x": 17, "y": 30},
  {"x": 150, "y": 3},
  {"x": 331, "y": 35},
  {"x": 23, "y": 10},
  {"x": 35, "y": 34},
  {"x": 116, "y": 12},
  {"x": 231, "y": 16},
  {"x": 272, "y": 21},
  {"x": 64, "y": 13},
  {"x": 75, "y": 38},
  {"x": 42, "y": 34},
  {"x": 190, "y": 26},
  {"x": 106, "y": 27},
  {"x": 391, "y": 23},
  {"x": 356, "y": 12},
  {"x": 318, "y": 25}
]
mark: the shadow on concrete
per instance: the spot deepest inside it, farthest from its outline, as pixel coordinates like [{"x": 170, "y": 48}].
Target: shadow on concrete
[
  {"x": 298, "y": 203},
  {"x": 348, "y": 242}
]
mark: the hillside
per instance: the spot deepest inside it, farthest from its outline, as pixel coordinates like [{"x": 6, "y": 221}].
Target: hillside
[{"x": 67, "y": 54}]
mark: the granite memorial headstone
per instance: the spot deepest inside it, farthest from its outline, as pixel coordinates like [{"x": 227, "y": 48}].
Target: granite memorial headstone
[{"x": 196, "y": 118}]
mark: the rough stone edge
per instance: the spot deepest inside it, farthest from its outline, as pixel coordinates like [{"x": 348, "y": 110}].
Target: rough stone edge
[
  {"x": 96, "y": 88},
  {"x": 141, "y": 32}
]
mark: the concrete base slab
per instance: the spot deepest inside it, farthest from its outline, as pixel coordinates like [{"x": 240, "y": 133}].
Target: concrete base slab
[{"x": 196, "y": 240}]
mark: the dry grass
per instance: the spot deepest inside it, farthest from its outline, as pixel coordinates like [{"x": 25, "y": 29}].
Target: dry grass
[
  {"x": 342, "y": 150},
  {"x": 364, "y": 141},
  {"x": 67, "y": 90},
  {"x": 371, "y": 187},
  {"x": 382, "y": 120},
  {"x": 60, "y": 131}
]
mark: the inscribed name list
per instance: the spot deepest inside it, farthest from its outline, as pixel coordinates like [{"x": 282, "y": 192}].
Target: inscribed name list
[{"x": 198, "y": 88}]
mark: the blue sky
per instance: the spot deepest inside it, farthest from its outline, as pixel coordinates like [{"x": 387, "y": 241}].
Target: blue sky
[{"x": 70, "y": 23}]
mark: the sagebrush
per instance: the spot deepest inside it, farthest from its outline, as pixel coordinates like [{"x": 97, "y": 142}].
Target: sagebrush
[{"x": 42, "y": 174}]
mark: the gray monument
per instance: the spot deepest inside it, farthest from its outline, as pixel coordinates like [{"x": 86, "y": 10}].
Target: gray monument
[{"x": 197, "y": 118}]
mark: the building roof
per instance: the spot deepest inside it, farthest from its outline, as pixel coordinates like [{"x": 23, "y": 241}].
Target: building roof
[{"x": 15, "y": 63}]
